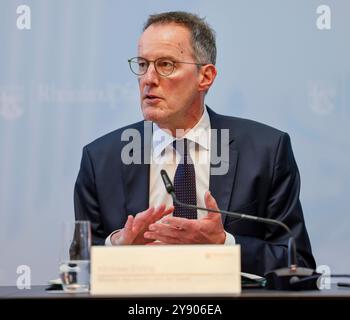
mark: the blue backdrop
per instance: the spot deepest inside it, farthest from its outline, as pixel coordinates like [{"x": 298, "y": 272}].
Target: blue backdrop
[{"x": 66, "y": 81}]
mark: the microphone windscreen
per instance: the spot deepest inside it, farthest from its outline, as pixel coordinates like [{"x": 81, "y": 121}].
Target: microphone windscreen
[{"x": 167, "y": 183}]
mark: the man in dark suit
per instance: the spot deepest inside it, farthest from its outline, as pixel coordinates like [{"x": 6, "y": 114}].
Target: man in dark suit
[{"x": 248, "y": 167}]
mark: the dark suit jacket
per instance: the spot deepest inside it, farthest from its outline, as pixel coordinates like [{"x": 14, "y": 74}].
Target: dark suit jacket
[{"x": 262, "y": 180}]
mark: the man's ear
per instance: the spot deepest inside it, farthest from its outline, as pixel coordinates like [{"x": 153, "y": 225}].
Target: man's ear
[{"x": 207, "y": 76}]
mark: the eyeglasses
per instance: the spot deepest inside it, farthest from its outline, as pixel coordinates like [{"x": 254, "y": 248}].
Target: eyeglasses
[{"x": 164, "y": 66}]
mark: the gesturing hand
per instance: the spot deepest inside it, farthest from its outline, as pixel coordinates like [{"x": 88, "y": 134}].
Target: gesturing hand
[
  {"x": 135, "y": 227},
  {"x": 175, "y": 230}
]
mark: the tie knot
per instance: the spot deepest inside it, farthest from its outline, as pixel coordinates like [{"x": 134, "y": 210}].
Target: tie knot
[{"x": 181, "y": 146}]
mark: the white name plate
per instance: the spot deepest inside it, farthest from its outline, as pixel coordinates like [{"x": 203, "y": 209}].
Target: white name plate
[{"x": 166, "y": 270}]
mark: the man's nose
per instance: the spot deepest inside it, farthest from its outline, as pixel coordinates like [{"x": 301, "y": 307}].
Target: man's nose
[{"x": 151, "y": 77}]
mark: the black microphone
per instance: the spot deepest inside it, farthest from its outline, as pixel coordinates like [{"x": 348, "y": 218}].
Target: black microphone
[{"x": 290, "y": 278}]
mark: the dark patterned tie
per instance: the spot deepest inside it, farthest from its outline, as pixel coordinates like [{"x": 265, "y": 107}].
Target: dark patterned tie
[{"x": 185, "y": 182}]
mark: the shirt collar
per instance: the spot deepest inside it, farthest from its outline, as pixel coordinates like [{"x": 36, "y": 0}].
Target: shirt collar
[{"x": 200, "y": 134}]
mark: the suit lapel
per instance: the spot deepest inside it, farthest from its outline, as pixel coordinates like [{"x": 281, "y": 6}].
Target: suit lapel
[
  {"x": 136, "y": 176},
  {"x": 222, "y": 181}
]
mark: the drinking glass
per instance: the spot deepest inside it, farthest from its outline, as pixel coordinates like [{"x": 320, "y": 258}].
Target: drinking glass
[{"x": 75, "y": 256}]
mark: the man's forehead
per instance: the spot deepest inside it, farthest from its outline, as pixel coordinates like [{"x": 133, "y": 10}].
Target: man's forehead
[
  {"x": 166, "y": 46},
  {"x": 165, "y": 36}
]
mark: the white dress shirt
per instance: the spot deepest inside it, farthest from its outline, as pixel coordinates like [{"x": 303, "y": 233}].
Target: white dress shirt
[{"x": 165, "y": 157}]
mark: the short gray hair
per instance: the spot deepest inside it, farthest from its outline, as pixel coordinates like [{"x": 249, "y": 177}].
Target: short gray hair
[{"x": 202, "y": 35}]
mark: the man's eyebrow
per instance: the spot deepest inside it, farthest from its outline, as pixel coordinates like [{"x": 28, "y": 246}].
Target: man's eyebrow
[{"x": 169, "y": 57}]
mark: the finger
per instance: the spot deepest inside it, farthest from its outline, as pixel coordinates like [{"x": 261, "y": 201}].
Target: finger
[
  {"x": 126, "y": 235},
  {"x": 210, "y": 203},
  {"x": 179, "y": 223},
  {"x": 166, "y": 230},
  {"x": 129, "y": 223},
  {"x": 167, "y": 240},
  {"x": 157, "y": 212},
  {"x": 162, "y": 213},
  {"x": 143, "y": 218},
  {"x": 145, "y": 214},
  {"x": 149, "y": 218},
  {"x": 169, "y": 210}
]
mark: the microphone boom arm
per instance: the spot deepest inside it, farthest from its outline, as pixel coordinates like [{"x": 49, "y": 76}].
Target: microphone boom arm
[
  {"x": 291, "y": 278},
  {"x": 292, "y": 255}
]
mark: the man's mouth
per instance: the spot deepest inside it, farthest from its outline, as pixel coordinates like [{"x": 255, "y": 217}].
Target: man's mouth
[{"x": 151, "y": 97}]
